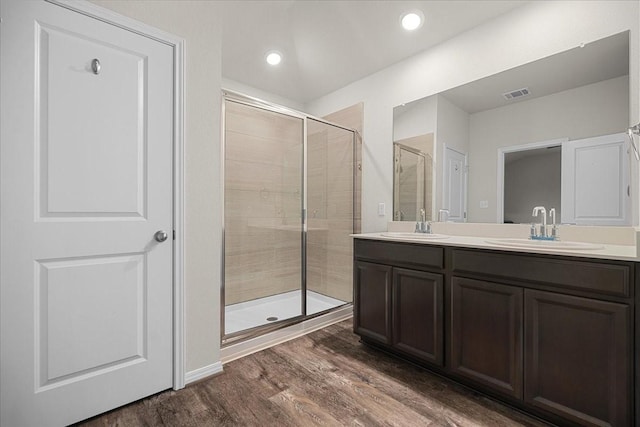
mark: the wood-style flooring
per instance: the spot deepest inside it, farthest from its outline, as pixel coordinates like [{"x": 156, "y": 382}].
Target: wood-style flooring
[{"x": 327, "y": 378}]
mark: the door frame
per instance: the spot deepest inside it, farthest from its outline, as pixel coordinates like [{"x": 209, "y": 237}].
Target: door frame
[
  {"x": 178, "y": 45},
  {"x": 445, "y": 179},
  {"x": 500, "y": 168}
]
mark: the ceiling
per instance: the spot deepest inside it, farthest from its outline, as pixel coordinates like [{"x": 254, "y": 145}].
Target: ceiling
[{"x": 328, "y": 44}]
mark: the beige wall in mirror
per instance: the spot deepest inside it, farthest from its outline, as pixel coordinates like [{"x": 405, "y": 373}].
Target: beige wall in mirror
[{"x": 576, "y": 94}]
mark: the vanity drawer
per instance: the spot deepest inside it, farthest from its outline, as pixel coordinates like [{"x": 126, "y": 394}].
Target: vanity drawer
[
  {"x": 593, "y": 276},
  {"x": 394, "y": 253}
]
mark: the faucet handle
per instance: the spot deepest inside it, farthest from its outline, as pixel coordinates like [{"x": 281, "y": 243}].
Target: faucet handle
[{"x": 539, "y": 209}]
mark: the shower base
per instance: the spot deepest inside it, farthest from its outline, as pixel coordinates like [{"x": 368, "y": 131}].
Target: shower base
[{"x": 250, "y": 314}]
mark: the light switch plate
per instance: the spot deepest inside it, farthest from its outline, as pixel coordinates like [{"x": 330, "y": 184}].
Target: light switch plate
[{"x": 381, "y": 209}]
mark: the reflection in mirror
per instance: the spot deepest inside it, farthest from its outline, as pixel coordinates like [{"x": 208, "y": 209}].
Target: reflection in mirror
[
  {"x": 531, "y": 178},
  {"x": 414, "y": 127},
  {"x": 411, "y": 181},
  {"x": 573, "y": 96}
]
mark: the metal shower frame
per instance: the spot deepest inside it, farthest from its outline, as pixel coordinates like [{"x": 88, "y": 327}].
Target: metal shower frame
[{"x": 232, "y": 96}]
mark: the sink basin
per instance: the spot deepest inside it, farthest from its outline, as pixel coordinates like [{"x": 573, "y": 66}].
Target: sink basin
[
  {"x": 545, "y": 244},
  {"x": 415, "y": 236}
]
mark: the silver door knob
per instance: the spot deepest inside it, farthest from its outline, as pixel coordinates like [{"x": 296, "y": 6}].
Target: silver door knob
[
  {"x": 95, "y": 66},
  {"x": 160, "y": 236}
]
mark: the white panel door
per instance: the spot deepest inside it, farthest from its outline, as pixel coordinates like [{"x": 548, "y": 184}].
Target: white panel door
[
  {"x": 595, "y": 181},
  {"x": 455, "y": 185},
  {"x": 86, "y": 179}
]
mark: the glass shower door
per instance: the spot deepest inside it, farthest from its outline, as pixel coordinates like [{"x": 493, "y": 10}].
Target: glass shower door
[
  {"x": 330, "y": 219},
  {"x": 263, "y": 196}
]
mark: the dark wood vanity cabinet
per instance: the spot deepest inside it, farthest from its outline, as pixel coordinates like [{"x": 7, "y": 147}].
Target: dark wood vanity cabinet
[
  {"x": 486, "y": 334},
  {"x": 372, "y": 296},
  {"x": 578, "y": 363},
  {"x": 417, "y": 314},
  {"x": 398, "y": 306},
  {"x": 552, "y": 335}
]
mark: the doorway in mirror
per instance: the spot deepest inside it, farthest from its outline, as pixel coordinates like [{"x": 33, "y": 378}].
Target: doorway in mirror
[
  {"x": 455, "y": 185},
  {"x": 586, "y": 180}
]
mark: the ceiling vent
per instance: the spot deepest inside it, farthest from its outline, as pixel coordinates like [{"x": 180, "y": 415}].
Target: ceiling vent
[{"x": 516, "y": 93}]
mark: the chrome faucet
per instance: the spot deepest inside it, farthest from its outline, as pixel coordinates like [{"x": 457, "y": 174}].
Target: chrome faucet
[
  {"x": 423, "y": 226},
  {"x": 441, "y": 213},
  {"x": 543, "y": 223},
  {"x": 554, "y": 226}
]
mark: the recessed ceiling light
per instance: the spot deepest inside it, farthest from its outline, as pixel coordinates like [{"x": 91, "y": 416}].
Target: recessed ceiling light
[
  {"x": 412, "y": 20},
  {"x": 273, "y": 57}
]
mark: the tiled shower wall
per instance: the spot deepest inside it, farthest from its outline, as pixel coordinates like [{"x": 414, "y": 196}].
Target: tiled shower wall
[
  {"x": 263, "y": 188},
  {"x": 330, "y": 210},
  {"x": 335, "y": 277},
  {"x": 353, "y": 118}
]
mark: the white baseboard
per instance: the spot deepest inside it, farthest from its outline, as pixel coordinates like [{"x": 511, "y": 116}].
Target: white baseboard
[
  {"x": 253, "y": 345},
  {"x": 245, "y": 348},
  {"x": 205, "y": 371}
]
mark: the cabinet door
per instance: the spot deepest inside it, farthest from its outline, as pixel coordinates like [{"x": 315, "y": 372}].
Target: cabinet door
[
  {"x": 372, "y": 293},
  {"x": 577, "y": 358},
  {"x": 595, "y": 181},
  {"x": 417, "y": 314},
  {"x": 486, "y": 334}
]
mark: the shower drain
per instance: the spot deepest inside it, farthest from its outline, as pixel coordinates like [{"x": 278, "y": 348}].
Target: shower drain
[{"x": 272, "y": 318}]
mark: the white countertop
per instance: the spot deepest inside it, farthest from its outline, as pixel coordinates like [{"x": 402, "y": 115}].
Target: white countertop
[{"x": 608, "y": 251}]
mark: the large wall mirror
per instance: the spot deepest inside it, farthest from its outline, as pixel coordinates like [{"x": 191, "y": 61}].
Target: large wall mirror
[{"x": 549, "y": 133}]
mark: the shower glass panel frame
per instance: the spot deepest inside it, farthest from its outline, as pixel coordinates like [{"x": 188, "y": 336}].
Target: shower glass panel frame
[
  {"x": 411, "y": 191},
  {"x": 330, "y": 207},
  {"x": 232, "y": 334}
]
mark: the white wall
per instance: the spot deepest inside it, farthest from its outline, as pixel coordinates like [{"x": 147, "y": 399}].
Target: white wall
[
  {"x": 453, "y": 125},
  {"x": 452, "y": 131},
  {"x": 197, "y": 23},
  {"x": 251, "y": 91},
  {"x": 571, "y": 114},
  {"x": 417, "y": 118},
  {"x": 533, "y": 31}
]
